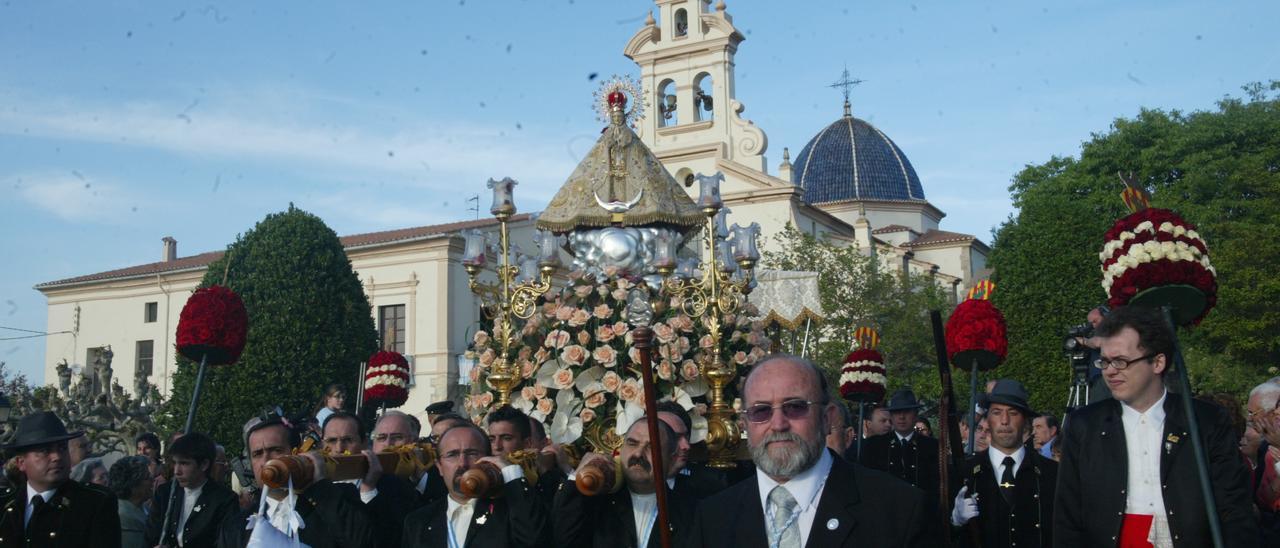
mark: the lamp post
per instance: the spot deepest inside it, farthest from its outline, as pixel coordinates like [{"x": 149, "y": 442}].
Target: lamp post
[
  {"x": 714, "y": 295},
  {"x": 508, "y": 299}
]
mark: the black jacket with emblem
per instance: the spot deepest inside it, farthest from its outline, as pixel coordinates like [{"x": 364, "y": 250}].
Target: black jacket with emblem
[
  {"x": 915, "y": 462},
  {"x": 1028, "y": 521},
  {"x": 1094, "y": 472},
  {"x": 332, "y": 515},
  {"x": 76, "y": 515},
  {"x": 858, "y": 507},
  {"x": 609, "y": 520},
  {"x": 214, "y": 504},
  {"x": 700, "y": 480},
  {"x": 518, "y": 518}
]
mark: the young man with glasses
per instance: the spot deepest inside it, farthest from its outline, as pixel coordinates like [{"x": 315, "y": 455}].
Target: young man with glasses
[
  {"x": 1128, "y": 472},
  {"x": 516, "y": 518},
  {"x": 802, "y": 493},
  {"x": 51, "y": 509}
]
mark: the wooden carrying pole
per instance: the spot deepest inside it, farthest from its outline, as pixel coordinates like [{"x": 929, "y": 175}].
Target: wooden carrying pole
[
  {"x": 948, "y": 434},
  {"x": 642, "y": 337}
]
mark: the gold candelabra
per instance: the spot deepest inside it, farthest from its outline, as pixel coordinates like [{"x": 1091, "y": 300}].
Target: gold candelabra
[
  {"x": 711, "y": 297},
  {"x": 510, "y": 298}
]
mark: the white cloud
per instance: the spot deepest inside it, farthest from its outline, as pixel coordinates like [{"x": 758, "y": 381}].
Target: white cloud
[{"x": 75, "y": 197}]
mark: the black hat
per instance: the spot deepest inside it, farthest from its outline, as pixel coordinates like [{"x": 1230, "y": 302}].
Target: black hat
[
  {"x": 40, "y": 429},
  {"x": 439, "y": 407},
  {"x": 903, "y": 400},
  {"x": 1012, "y": 393}
]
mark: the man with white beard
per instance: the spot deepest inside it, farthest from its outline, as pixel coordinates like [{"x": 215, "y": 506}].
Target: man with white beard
[{"x": 802, "y": 493}]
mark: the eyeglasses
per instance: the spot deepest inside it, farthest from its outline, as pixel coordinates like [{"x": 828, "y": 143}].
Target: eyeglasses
[
  {"x": 1120, "y": 363},
  {"x": 791, "y": 409}
]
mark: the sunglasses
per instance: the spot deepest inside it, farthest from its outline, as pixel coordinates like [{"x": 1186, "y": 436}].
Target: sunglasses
[{"x": 791, "y": 409}]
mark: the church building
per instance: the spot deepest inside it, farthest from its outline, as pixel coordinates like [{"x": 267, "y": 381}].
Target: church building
[{"x": 849, "y": 184}]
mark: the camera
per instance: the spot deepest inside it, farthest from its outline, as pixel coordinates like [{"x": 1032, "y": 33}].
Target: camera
[{"x": 1075, "y": 350}]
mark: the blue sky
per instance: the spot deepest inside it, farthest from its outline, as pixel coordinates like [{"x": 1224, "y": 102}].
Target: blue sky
[{"x": 124, "y": 122}]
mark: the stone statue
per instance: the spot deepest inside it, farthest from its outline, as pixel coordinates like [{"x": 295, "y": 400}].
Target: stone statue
[
  {"x": 105, "y": 372},
  {"x": 64, "y": 377}
]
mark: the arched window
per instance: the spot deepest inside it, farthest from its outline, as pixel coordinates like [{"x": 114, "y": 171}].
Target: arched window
[
  {"x": 666, "y": 102},
  {"x": 682, "y": 23},
  {"x": 703, "y": 89}
]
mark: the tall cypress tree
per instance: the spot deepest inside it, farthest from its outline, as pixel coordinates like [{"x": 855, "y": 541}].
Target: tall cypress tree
[{"x": 309, "y": 325}]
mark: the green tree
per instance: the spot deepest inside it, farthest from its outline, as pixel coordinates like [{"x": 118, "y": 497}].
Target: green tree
[
  {"x": 857, "y": 290},
  {"x": 309, "y": 325},
  {"x": 1220, "y": 169}
]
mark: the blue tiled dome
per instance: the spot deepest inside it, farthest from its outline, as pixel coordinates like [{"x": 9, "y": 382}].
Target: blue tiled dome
[{"x": 852, "y": 160}]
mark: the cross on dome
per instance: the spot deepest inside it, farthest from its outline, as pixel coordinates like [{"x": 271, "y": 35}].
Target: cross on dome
[{"x": 845, "y": 83}]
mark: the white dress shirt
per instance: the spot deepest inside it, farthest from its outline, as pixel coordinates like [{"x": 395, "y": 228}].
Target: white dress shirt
[
  {"x": 1142, "y": 438},
  {"x": 906, "y": 438},
  {"x": 997, "y": 460},
  {"x": 806, "y": 487},
  {"x": 365, "y": 497},
  {"x": 644, "y": 508},
  {"x": 189, "y": 498},
  {"x": 31, "y": 492},
  {"x": 459, "y": 513},
  {"x": 278, "y": 513}
]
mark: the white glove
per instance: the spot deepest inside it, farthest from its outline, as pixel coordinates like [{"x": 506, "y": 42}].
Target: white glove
[{"x": 966, "y": 508}]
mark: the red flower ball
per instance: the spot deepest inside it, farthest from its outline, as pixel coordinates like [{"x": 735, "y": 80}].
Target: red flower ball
[
  {"x": 213, "y": 325},
  {"x": 858, "y": 364},
  {"x": 976, "y": 328},
  {"x": 386, "y": 379},
  {"x": 1160, "y": 272}
]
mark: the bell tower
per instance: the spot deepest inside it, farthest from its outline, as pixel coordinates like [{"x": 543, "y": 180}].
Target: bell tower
[{"x": 693, "y": 121}]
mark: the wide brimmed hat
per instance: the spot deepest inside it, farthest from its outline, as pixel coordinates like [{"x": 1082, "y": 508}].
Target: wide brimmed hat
[
  {"x": 40, "y": 429},
  {"x": 903, "y": 400},
  {"x": 1011, "y": 393}
]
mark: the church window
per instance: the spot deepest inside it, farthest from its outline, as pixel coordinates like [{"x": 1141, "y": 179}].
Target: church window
[
  {"x": 682, "y": 23},
  {"x": 391, "y": 324},
  {"x": 666, "y": 101},
  {"x": 702, "y": 91},
  {"x": 150, "y": 311},
  {"x": 145, "y": 352}
]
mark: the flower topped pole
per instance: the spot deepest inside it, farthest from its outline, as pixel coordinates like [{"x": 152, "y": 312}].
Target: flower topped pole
[
  {"x": 862, "y": 379},
  {"x": 1154, "y": 258},
  {"x": 976, "y": 339},
  {"x": 212, "y": 328},
  {"x": 508, "y": 299},
  {"x": 386, "y": 381}
]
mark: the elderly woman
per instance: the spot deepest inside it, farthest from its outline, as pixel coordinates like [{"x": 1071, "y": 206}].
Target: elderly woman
[
  {"x": 90, "y": 471},
  {"x": 130, "y": 480}
]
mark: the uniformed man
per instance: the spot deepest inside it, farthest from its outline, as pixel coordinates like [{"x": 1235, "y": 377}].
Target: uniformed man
[
  {"x": 48, "y": 508},
  {"x": 628, "y": 517},
  {"x": 438, "y": 408},
  {"x": 902, "y": 452},
  {"x": 323, "y": 515},
  {"x": 1008, "y": 488},
  {"x": 204, "y": 503},
  {"x": 516, "y": 518}
]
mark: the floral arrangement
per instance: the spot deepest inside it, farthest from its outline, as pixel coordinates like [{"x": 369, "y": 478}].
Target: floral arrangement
[
  {"x": 1155, "y": 247},
  {"x": 386, "y": 381},
  {"x": 213, "y": 325},
  {"x": 862, "y": 379},
  {"x": 579, "y": 366},
  {"x": 976, "y": 330}
]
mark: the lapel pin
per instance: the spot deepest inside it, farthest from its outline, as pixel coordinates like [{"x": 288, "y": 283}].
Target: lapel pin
[
  {"x": 832, "y": 524},
  {"x": 197, "y": 508},
  {"x": 480, "y": 520},
  {"x": 1173, "y": 438}
]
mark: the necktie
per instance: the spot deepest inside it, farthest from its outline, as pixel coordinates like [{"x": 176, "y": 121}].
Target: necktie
[
  {"x": 37, "y": 504},
  {"x": 785, "y": 528},
  {"x": 1006, "y": 481}
]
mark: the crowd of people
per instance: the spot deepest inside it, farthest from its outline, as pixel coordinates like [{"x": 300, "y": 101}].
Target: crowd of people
[{"x": 1117, "y": 472}]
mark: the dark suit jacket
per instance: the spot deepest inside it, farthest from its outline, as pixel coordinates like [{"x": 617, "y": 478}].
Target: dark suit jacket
[
  {"x": 700, "y": 480},
  {"x": 867, "y": 507},
  {"x": 333, "y": 515},
  {"x": 517, "y": 518},
  {"x": 215, "y": 503},
  {"x": 608, "y": 520},
  {"x": 915, "y": 462},
  {"x": 76, "y": 515},
  {"x": 436, "y": 489},
  {"x": 395, "y": 500},
  {"x": 1093, "y": 477},
  {"x": 1028, "y": 522}
]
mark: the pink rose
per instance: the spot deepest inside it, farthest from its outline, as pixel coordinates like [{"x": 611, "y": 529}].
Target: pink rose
[
  {"x": 527, "y": 393},
  {"x": 634, "y": 354},
  {"x": 619, "y": 295},
  {"x": 527, "y": 369},
  {"x": 481, "y": 339},
  {"x": 485, "y": 399},
  {"x": 584, "y": 337},
  {"x": 587, "y": 415},
  {"x": 740, "y": 357},
  {"x": 602, "y": 291},
  {"x": 630, "y": 391},
  {"x": 486, "y": 359},
  {"x": 604, "y": 333},
  {"x": 621, "y": 329},
  {"x": 475, "y": 374},
  {"x": 756, "y": 355},
  {"x": 582, "y": 291},
  {"x": 689, "y": 370},
  {"x": 562, "y": 378},
  {"x": 706, "y": 342},
  {"x": 541, "y": 356},
  {"x": 605, "y": 355},
  {"x": 546, "y": 406},
  {"x": 610, "y": 271},
  {"x": 684, "y": 345},
  {"x": 682, "y": 322},
  {"x": 664, "y": 333},
  {"x": 564, "y": 313},
  {"x": 624, "y": 284},
  {"x": 524, "y": 353},
  {"x": 574, "y": 355},
  {"x": 611, "y": 381},
  {"x": 596, "y": 399},
  {"x": 539, "y": 391},
  {"x": 557, "y": 339},
  {"x": 602, "y": 312},
  {"x": 665, "y": 370},
  {"x": 579, "y": 318}
]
